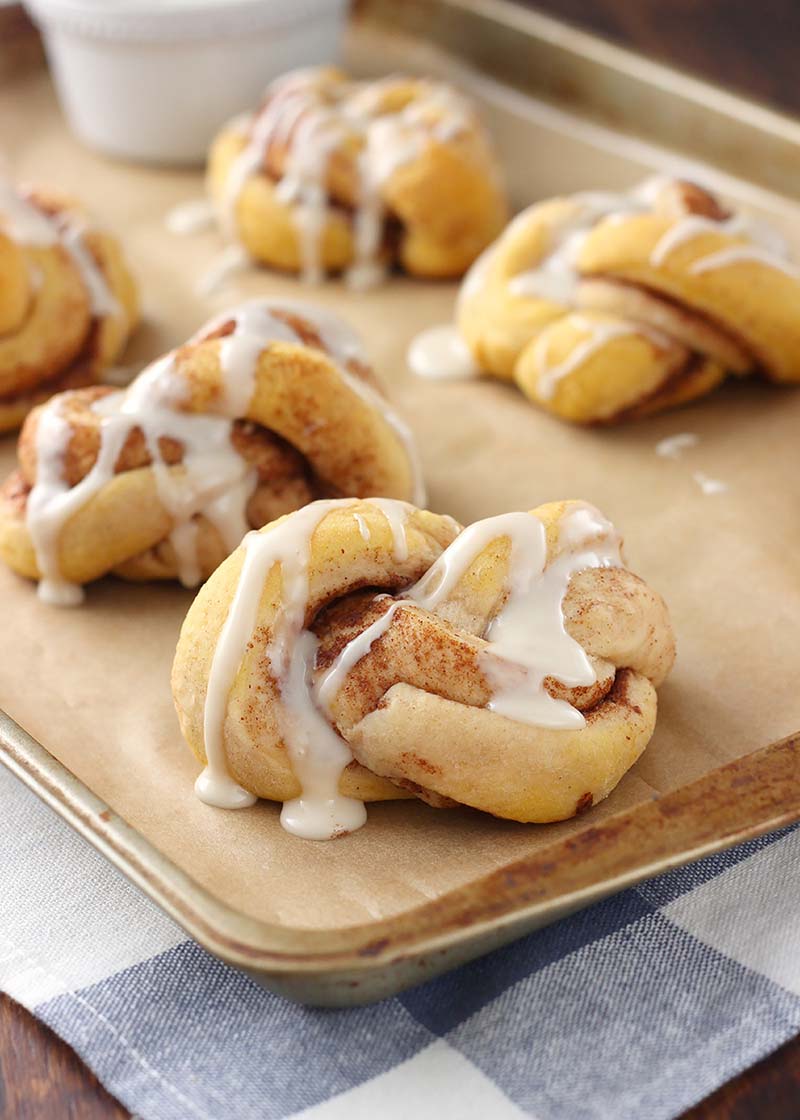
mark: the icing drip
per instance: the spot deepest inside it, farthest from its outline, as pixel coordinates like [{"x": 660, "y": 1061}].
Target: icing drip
[
  {"x": 738, "y": 253},
  {"x": 101, "y": 298},
  {"x": 317, "y": 753},
  {"x": 674, "y": 446},
  {"x": 363, "y": 528},
  {"x": 767, "y": 246},
  {"x": 298, "y": 117},
  {"x": 367, "y": 269},
  {"x": 212, "y": 479},
  {"x": 441, "y": 354},
  {"x": 52, "y": 501},
  {"x": 27, "y": 224},
  {"x": 304, "y": 185},
  {"x": 600, "y": 333},
  {"x": 396, "y": 514},
  {"x": 327, "y": 687}
]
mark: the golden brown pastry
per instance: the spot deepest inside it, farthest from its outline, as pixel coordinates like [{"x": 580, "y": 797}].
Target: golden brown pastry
[
  {"x": 334, "y": 175},
  {"x": 268, "y": 407},
  {"x": 366, "y": 650},
  {"x": 607, "y": 307},
  {"x": 67, "y": 301}
]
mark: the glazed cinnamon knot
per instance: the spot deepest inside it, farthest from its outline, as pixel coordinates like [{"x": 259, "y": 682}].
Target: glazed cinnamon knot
[
  {"x": 67, "y": 301},
  {"x": 607, "y": 307},
  {"x": 366, "y": 650},
  {"x": 332, "y": 174},
  {"x": 268, "y": 407}
]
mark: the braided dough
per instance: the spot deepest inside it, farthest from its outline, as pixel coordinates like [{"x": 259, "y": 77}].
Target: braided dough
[
  {"x": 332, "y": 175},
  {"x": 67, "y": 301},
  {"x": 607, "y": 307},
  {"x": 365, "y": 650},
  {"x": 267, "y": 407}
]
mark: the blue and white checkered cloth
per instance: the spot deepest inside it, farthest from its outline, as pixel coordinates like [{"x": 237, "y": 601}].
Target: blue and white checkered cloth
[{"x": 635, "y": 1008}]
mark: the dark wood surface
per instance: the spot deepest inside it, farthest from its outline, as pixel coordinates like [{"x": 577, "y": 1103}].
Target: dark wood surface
[
  {"x": 749, "y": 45},
  {"x": 41, "y": 1078},
  {"x": 752, "y": 47}
]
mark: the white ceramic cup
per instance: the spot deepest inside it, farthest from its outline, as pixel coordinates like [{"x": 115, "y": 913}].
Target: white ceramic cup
[{"x": 153, "y": 80}]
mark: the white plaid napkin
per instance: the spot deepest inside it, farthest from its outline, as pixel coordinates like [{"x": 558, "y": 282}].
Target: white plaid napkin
[{"x": 631, "y": 1010}]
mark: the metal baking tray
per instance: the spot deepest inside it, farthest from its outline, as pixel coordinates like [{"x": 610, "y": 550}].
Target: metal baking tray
[{"x": 616, "y": 94}]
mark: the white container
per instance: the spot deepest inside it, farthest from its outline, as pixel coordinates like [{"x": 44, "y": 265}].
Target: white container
[{"x": 153, "y": 80}]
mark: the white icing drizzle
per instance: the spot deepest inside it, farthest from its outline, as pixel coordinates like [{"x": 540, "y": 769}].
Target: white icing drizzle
[
  {"x": 441, "y": 354},
  {"x": 343, "y": 345},
  {"x": 673, "y": 447},
  {"x": 735, "y": 254},
  {"x": 101, "y": 299},
  {"x": 52, "y": 501},
  {"x": 193, "y": 216},
  {"x": 600, "y": 332},
  {"x": 255, "y": 328},
  {"x": 311, "y": 120},
  {"x": 556, "y": 277},
  {"x": 327, "y": 686},
  {"x": 766, "y": 247},
  {"x": 363, "y": 528},
  {"x": 528, "y": 640},
  {"x": 709, "y": 486},
  {"x": 317, "y": 753},
  {"x": 212, "y": 478},
  {"x": 27, "y": 224},
  {"x": 397, "y": 514},
  {"x": 684, "y": 231},
  {"x": 476, "y": 274},
  {"x": 303, "y": 186}
]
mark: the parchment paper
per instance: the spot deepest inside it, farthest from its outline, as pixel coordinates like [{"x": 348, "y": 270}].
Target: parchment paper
[{"x": 92, "y": 684}]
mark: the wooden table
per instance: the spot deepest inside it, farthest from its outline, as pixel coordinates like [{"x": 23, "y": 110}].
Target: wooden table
[{"x": 753, "y": 48}]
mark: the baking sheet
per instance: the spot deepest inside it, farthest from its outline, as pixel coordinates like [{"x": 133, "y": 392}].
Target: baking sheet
[{"x": 92, "y": 684}]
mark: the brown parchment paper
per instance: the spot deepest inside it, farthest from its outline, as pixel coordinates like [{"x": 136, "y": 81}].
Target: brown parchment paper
[{"x": 92, "y": 684}]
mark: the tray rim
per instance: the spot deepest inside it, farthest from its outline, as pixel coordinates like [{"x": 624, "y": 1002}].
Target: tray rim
[
  {"x": 360, "y": 963},
  {"x": 706, "y": 121}
]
